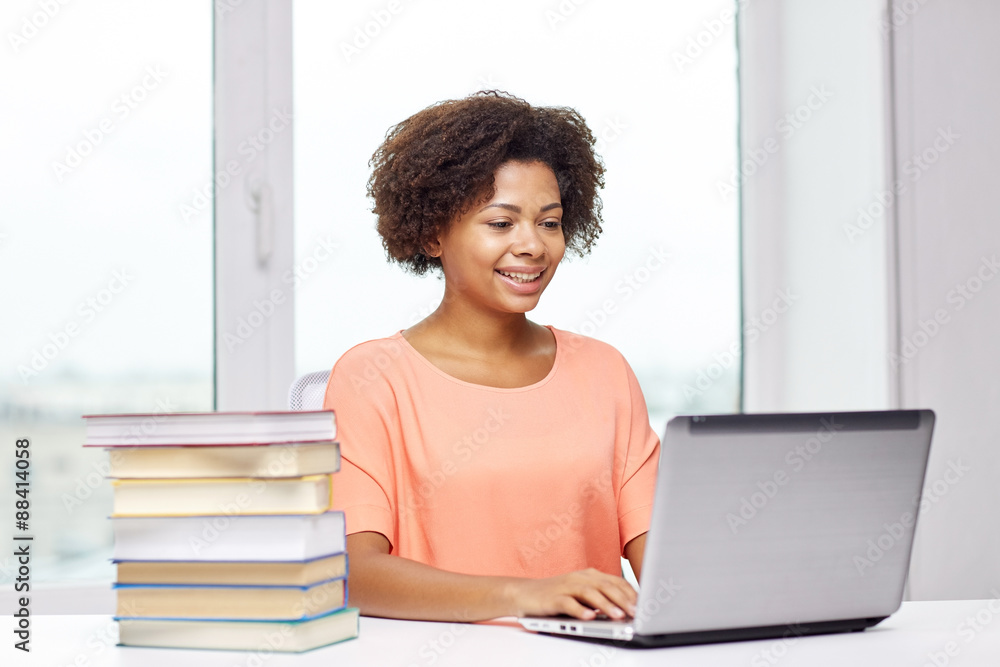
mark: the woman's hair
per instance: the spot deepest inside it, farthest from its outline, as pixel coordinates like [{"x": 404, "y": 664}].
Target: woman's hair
[{"x": 436, "y": 164}]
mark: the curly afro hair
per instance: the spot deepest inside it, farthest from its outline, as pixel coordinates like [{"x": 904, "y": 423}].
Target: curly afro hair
[{"x": 436, "y": 164}]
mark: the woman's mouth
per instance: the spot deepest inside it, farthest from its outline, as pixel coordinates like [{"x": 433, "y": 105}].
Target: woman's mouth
[
  {"x": 524, "y": 283},
  {"x": 521, "y": 277}
]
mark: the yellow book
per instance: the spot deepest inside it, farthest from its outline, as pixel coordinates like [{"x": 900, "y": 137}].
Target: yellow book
[
  {"x": 277, "y": 460},
  {"x": 221, "y": 496},
  {"x": 230, "y": 602},
  {"x": 270, "y": 573}
]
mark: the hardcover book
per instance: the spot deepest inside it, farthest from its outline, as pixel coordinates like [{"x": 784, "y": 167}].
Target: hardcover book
[
  {"x": 224, "y": 536},
  {"x": 268, "y": 573},
  {"x": 208, "y": 428},
  {"x": 295, "y": 537},
  {"x": 208, "y": 496},
  {"x": 211, "y": 601},
  {"x": 191, "y": 461},
  {"x": 258, "y": 636}
]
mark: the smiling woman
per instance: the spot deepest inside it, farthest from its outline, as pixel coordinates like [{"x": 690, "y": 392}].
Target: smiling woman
[
  {"x": 495, "y": 466},
  {"x": 498, "y": 261}
]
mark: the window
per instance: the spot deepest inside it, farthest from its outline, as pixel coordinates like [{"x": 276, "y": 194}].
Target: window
[{"x": 107, "y": 277}]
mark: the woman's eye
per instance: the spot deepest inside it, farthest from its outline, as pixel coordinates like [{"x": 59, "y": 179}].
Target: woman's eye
[
  {"x": 552, "y": 224},
  {"x": 503, "y": 224}
]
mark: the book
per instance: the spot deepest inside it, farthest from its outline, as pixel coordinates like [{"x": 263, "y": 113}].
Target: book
[
  {"x": 210, "y": 601},
  {"x": 229, "y": 538},
  {"x": 268, "y": 573},
  {"x": 209, "y": 496},
  {"x": 258, "y": 636},
  {"x": 276, "y": 460},
  {"x": 224, "y": 536},
  {"x": 208, "y": 428}
]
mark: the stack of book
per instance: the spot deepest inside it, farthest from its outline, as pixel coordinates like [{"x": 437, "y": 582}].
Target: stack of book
[{"x": 224, "y": 536}]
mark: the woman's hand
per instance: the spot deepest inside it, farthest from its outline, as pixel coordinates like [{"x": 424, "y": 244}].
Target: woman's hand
[
  {"x": 394, "y": 587},
  {"x": 581, "y": 594}
]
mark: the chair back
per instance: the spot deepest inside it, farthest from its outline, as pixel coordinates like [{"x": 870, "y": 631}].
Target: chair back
[{"x": 307, "y": 392}]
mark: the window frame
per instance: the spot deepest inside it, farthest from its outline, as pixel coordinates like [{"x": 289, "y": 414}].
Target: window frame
[{"x": 253, "y": 215}]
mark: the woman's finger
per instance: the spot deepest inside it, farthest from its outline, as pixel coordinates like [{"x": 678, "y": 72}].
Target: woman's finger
[
  {"x": 624, "y": 597},
  {"x": 570, "y": 606},
  {"x": 596, "y": 599},
  {"x": 615, "y": 589}
]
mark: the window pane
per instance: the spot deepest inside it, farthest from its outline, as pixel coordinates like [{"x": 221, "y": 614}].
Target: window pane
[
  {"x": 662, "y": 284},
  {"x": 107, "y": 282}
]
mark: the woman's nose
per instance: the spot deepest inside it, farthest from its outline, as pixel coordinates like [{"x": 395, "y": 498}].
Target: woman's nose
[{"x": 527, "y": 240}]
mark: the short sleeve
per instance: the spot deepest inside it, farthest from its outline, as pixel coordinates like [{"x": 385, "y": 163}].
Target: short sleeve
[
  {"x": 641, "y": 459},
  {"x": 362, "y": 401}
]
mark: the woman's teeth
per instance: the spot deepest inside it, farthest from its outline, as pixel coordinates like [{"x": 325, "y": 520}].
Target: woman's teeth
[{"x": 521, "y": 277}]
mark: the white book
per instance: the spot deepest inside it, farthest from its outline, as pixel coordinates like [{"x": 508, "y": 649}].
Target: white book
[
  {"x": 208, "y": 428},
  {"x": 290, "y": 537}
]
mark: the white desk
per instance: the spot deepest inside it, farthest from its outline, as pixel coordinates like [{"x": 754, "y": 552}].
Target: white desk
[{"x": 908, "y": 638}]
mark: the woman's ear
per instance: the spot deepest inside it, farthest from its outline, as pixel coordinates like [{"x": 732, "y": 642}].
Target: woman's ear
[{"x": 433, "y": 248}]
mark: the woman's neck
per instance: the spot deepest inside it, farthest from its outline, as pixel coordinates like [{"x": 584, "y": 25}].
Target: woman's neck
[{"x": 478, "y": 332}]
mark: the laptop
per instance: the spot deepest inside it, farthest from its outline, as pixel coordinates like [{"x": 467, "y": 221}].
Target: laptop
[{"x": 773, "y": 525}]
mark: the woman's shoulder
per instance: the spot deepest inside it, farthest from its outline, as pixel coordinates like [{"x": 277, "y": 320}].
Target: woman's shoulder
[
  {"x": 588, "y": 355},
  {"x": 574, "y": 342},
  {"x": 372, "y": 356}
]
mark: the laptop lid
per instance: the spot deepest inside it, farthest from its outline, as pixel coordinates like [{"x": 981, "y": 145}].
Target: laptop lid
[{"x": 779, "y": 519}]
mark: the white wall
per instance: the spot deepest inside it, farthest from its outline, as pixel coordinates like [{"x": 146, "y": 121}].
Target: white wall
[
  {"x": 880, "y": 319},
  {"x": 947, "y": 77}
]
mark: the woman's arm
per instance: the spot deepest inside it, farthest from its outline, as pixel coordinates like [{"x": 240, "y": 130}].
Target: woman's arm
[
  {"x": 381, "y": 584},
  {"x": 633, "y": 552}
]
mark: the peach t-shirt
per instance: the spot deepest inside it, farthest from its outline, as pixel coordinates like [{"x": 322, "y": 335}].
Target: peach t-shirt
[{"x": 531, "y": 481}]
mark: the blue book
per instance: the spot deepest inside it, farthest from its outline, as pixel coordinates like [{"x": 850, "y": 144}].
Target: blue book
[{"x": 241, "y": 635}]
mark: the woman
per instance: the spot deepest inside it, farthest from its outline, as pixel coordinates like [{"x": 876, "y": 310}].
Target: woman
[{"x": 491, "y": 466}]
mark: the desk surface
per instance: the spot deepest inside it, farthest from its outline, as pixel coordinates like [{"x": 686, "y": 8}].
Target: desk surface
[{"x": 954, "y": 633}]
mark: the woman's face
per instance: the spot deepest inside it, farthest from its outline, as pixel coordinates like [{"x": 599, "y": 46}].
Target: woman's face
[{"x": 503, "y": 252}]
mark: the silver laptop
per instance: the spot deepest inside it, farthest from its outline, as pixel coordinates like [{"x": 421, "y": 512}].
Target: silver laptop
[{"x": 772, "y": 525}]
